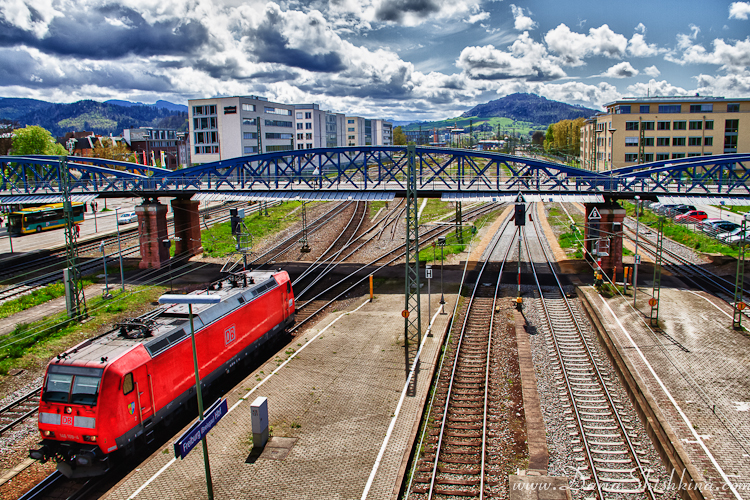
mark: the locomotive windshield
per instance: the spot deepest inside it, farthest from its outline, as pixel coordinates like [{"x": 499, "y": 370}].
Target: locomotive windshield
[{"x": 72, "y": 384}]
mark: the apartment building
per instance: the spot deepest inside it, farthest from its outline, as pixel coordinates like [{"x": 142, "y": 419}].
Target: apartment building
[
  {"x": 228, "y": 127},
  {"x": 646, "y": 129},
  {"x": 315, "y": 128},
  {"x": 155, "y": 144},
  {"x": 365, "y": 132}
]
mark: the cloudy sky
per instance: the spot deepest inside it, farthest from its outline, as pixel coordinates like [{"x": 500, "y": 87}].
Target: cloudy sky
[{"x": 396, "y": 59}]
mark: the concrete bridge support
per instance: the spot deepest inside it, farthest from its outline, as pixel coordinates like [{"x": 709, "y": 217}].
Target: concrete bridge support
[
  {"x": 603, "y": 235},
  {"x": 152, "y": 231},
  {"x": 187, "y": 227}
]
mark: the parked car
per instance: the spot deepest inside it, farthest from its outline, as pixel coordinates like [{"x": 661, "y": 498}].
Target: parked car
[
  {"x": 691, "y": 217},
  {"x": 127, "y": 218},
  {"x": 682, "y": 209},
  {"x": 665, "y": 208},
  {"x": 707, "y": 225},
  {"x": 728, "y": 234}
]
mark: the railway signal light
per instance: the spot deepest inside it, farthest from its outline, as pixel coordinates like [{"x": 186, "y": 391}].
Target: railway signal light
[
  {"x": 235, "y": 218},
  {"x": 520, "y": 215}
]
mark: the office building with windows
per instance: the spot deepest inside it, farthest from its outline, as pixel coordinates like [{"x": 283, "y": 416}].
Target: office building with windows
[
  {"x": 365, "y": 132},
  {"x": 228, "y": 127},
  {"x": 646, "y": 129},
  {"x": 315, "y": 128}
]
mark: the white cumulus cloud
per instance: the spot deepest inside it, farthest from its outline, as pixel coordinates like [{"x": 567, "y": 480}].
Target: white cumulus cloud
[
  {"x": 522, "y": 22},
  {"x": 574, "y": 47},
  {"x": 652, "y": 71},
  {"x": 739, "y": 10},
  {"x": 620, "y": 70},
  {"x": 654, "y": 88}
]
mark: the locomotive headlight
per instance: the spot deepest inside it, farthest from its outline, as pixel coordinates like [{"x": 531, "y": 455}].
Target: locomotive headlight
[
  {"x": 48, "y": 433},
  {"x": 90, "y": 439},
  {"x": 68, "y": 409}
]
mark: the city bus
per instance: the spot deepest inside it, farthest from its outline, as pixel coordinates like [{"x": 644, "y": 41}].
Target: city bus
[{"x": 38, "y": 219}]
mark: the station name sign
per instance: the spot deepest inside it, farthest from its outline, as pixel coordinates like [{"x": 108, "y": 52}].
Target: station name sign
[{"x": 199, "y": 429}]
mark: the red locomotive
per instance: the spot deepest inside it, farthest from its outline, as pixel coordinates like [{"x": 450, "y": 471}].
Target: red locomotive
[{"x": 110, "y": 392}]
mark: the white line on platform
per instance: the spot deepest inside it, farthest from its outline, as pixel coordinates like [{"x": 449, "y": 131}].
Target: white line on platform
[
  {"x": 376, "y": 465},
  {"x": 243, "y": 398},
  {"x": 674, "y": 403},
  {"x": 706, "y": 299}
]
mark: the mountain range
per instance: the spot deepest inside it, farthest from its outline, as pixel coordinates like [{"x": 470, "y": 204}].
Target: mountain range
[{"x": 522, "y": 112}]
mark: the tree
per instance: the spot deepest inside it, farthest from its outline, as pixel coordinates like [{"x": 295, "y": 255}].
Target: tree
[
  {"x": 33, "y": 140},
  {"x": 118, "y": 151},
  {"x": 399, "y": 137},
  {"x": 6, "y": 134},
  {"x": 538, "y": 138}
]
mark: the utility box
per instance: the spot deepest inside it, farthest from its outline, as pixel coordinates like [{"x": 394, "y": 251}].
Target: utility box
[{"x": 259, "y": 421}]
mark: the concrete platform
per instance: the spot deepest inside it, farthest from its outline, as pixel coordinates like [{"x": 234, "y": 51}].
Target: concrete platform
[
  {"x": 336, "y": 390},
  {"x": 696, "y": 371}
]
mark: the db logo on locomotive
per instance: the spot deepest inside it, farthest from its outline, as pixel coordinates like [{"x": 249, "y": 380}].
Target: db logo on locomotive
[{"x": 229, "y": 335}]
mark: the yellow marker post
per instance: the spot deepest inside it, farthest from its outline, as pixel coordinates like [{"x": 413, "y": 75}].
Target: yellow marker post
[{"x": 371, "y": 294}]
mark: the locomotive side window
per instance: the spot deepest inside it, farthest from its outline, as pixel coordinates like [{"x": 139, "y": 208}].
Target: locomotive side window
[
  {"x": 127, "y": 383},
  {"x": 288, "y": 287}
]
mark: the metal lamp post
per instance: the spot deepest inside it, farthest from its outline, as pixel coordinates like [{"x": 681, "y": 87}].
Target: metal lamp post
[
  {"x": 104, "y": 263},
  {"x": 441, "y": 242},
  {"x": 119, "y": 247},
  {"x": 637, "y": 257},
  {"x": 190, "y": 300}
]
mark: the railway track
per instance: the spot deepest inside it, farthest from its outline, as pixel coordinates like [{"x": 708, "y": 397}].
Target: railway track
[
  {"x": 56, "y": 486},
  {"x": 455, "y": 461},
  {"x": 610, "y": 457}
]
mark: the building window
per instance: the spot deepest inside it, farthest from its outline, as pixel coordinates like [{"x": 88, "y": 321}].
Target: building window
[
  {"x": 678, "y": 141},
  {"x": 694, "y": 141},
  {"x": 350, "y": 129},
  {"x": 731, "y": 126},
  {"x": 351, "y": 138},
  {"x": 248, "y": 107},
  {"x": 679, "y": 126},
  {"x": 622, "y": 109},
  {"x": 709, "y": 125},
  {"x": 204, "y": 110},
  {"x": 631, "y": 157},
  {"x": 701, "y": 108},
  {"x": 250, "y": 150},
  {"x": 283, "y": 147},
  {"x": 278, "y": 123},
  {"x": 631, "y": 125},
  {"x": 691, "y": 155},
  {"x": 204, "y": 123},
  {"x": 308, "y": 115},
  {"x": 230, "y": 110},
  {"x": 299, "y": 136},
  {"x": 708, "y": 141},
  {"x": 670, "y": 108},
  {"x": 647, "y": 125},
  {"x": 648, "y": 157},
  {"x": 276, "y": 135},
  {"x": 662, "y": 125},
  {"x": 631, "y": 141},
  {"x": 730, "y": 143},
  {"x": 648, "y": 141},
  {"x": 299, "y": 126},
  {"x": 349, "y": 121},
  {"x": 249, "y": 135},
  {"x": 695, "y": 125},
  {"x": 662, "y": 156},
  {"x": 309, "y": 146},
  {"x": 248, "y": 121},
  {"x": 299, "y": 115},
  {"x": 308, "y": 137},
  {"x": 676, "y": 156},
  {"x": 308, "y": 126},
  {"x": 645, "y": 108},
  {"x": 278, "y": 111},
  {"x": 733, "y": 108}
]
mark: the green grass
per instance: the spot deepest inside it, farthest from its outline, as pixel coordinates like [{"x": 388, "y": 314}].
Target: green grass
[
  {"x": 737, "y": 209},
  {"x": 35, "y": 298},
  {"x": 375, "y": 207},
  {"x": 452, "y": 246},
  {"x": 219, "y": 242},
  {"x": 434, "y": 209},
  {"x": 29, "y": 344},
  {"x": 571, "y": 243},
  {"x": 682, "y": 234}
]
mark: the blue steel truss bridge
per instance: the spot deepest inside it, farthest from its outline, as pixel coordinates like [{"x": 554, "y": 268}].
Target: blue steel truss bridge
[{"x": 380, "y": 173}]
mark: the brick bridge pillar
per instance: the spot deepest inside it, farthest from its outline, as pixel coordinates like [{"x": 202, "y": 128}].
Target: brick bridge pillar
[
  {"x": 187, "y": 227},
  {"x": 152, "y": 231},
  {"x": 607, "y": 226}
]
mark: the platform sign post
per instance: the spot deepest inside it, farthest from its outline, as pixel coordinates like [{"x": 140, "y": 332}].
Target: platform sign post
[
  {"x": 739, "y": 304},
  {"x": 190, "y": 300}
]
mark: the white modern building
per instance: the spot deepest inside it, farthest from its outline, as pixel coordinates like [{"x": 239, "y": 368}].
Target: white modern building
[
  {"x": 315, "y": 128},
  {"x": 365, "y": 132},
  {"x": 229, "y": 127}
]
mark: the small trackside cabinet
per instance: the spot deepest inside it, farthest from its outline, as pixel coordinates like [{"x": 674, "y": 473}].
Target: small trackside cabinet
[{"x": 259, "y": 420}]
